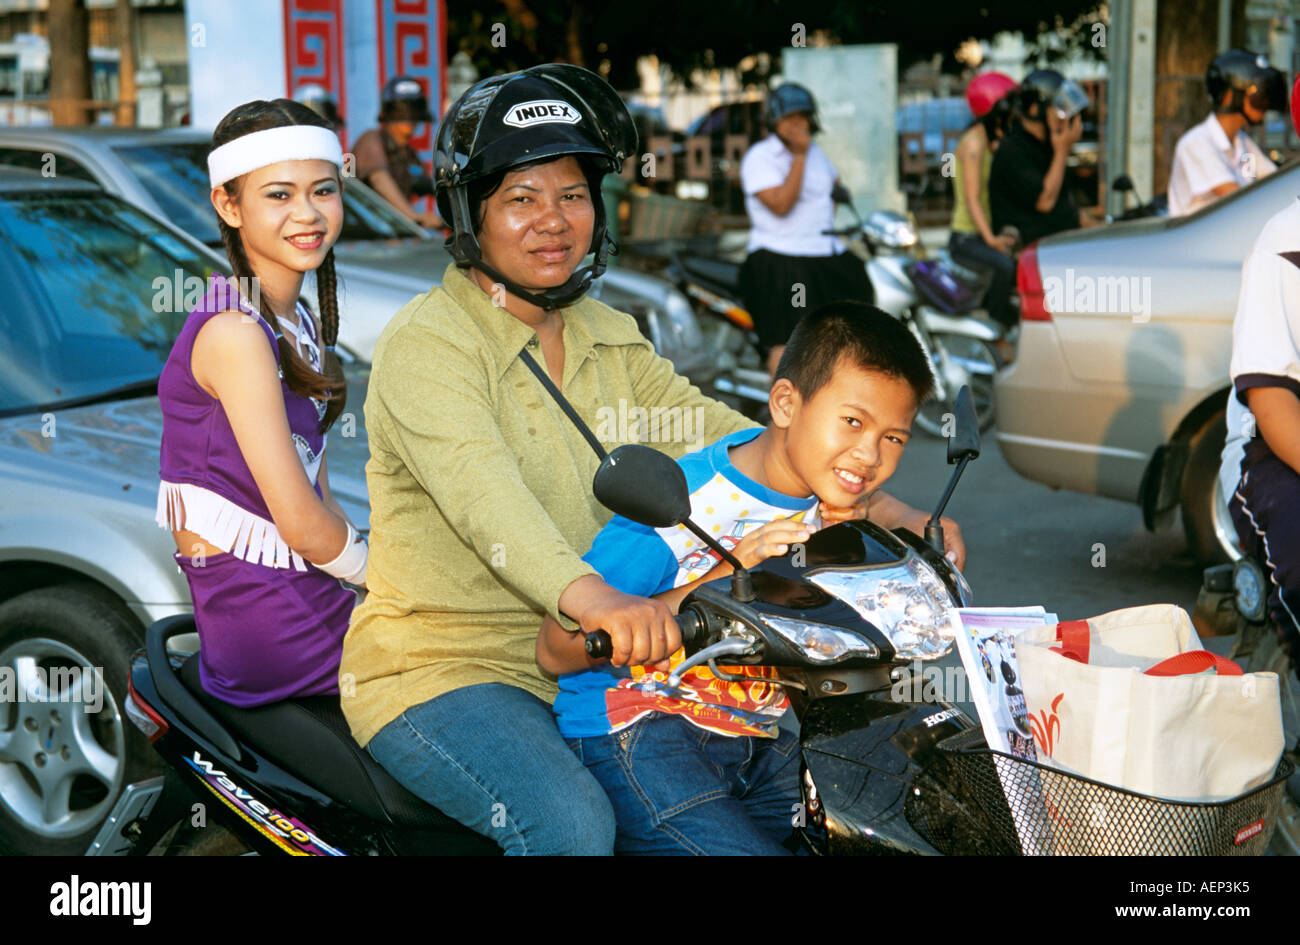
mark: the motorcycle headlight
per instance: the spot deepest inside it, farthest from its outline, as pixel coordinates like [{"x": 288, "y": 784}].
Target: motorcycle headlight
[
  {"x": 820, "y": 643},
  {"x": 892, "y": 229},
  {"x": 906, "y": 601}
]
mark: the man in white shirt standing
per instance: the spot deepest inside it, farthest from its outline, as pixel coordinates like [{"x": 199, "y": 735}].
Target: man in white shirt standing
[
  {"x": 1217, "y": 157},
  {"x": 792, "y": 268}
]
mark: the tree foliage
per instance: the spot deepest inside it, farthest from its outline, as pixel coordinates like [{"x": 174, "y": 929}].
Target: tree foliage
[{"x": 610, "y": 35}]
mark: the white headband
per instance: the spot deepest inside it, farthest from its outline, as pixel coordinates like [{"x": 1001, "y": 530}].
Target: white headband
[{"x": 262, "y": 148}]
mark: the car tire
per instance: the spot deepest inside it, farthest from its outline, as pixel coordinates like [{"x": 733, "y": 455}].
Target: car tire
[
  {"x": 1211, "y": 536},
  {"x": 62, "y": 765}
]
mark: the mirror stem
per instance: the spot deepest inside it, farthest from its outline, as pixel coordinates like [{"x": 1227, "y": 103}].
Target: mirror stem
[
  {"x": 742, "y": 585},
  {"x": 933, "y": 528}
]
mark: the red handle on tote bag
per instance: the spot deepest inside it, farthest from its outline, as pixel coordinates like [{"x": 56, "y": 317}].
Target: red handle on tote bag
[{"x": 1076, "y": 642}]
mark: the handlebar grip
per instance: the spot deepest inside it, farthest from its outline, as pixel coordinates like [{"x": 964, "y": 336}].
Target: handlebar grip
[{"x": 599, "y": 646}]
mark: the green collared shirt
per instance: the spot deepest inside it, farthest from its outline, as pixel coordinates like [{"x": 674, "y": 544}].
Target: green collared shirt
[{"x": 480, "y": 488}]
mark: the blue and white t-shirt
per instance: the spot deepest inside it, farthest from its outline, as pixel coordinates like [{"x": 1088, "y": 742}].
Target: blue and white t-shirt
[{"x": 645, "y": 561}]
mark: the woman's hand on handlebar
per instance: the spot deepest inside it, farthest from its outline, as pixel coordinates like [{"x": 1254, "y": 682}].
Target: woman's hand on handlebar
[{"x": 641, "y": 630}]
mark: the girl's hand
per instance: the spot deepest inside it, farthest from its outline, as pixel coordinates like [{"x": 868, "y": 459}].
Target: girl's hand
[{"x": 1003, "y": 244}]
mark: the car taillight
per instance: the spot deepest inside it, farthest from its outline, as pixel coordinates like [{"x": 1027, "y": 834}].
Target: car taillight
[
  {"x": 142, "y": 716},
  {"x": 1029, "y": 282}
]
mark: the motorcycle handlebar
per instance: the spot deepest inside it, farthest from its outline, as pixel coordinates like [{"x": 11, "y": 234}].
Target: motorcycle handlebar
[{"x": 599, "y": 645}]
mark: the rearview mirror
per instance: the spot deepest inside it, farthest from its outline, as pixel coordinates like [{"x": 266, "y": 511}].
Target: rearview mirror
[
  {"x": 840, "y": 194},
  {"x": 644, "y": 485},
  {"x": 1122, "y": 184},
  {"x": 965, "y": 440}
]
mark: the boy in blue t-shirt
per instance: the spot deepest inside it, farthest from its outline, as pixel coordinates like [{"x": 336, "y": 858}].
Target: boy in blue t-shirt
[{"x": 705, "y": 767}]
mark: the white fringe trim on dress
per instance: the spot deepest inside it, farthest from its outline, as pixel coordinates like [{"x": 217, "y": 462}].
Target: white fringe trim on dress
[{"x": 223, "y": 524}]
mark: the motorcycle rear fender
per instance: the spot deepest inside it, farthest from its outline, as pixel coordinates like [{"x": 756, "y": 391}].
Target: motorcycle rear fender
[
  {"x": 967, "y": 325},
  {"x": 894, "y": 291}
]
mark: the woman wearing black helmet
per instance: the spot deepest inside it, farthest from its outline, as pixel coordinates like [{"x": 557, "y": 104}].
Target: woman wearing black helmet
[
  {"x": 480, "y": 485},
  {"x": 792, "y": 268},
  {"x": 1216, "y": 157}
]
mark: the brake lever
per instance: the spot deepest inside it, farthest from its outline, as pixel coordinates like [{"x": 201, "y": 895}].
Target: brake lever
[{"x": 732, "y": 646}]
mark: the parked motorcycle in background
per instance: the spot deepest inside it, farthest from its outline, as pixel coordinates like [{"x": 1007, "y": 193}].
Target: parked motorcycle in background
[{"x": 936, "y": 298}]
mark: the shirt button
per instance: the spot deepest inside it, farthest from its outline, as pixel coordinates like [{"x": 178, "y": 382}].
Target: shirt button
[{"x": 532, "y": 342}]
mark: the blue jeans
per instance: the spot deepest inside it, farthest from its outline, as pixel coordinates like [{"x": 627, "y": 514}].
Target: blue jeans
[
  {"x": 491, "y": 757},
  {"x": 680, "y": 789}
]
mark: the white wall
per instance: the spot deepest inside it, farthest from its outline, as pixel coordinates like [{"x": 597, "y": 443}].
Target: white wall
[
  {"x": 241, "y": 57},
  {"x": 856, "y": 88}
]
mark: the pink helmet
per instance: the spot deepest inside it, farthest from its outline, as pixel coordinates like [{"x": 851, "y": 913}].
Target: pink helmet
[
  {"x": 1295, "y": 103},
  {"x": 985, "y": 90}
]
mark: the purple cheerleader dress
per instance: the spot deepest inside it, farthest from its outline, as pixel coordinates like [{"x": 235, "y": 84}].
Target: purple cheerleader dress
[{"x": 270, "y": 624}]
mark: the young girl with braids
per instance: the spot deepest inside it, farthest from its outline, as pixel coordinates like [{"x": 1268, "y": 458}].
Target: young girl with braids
[{"x": 248, "y": 392}]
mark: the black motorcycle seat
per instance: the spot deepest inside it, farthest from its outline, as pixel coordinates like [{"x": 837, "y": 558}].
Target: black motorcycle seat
[
  {"x": 310, "y": 739},
  {"x": 717, "y": 275}
]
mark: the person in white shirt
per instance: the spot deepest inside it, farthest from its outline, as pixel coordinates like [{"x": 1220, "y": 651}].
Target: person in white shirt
[
  {"x": 792, "y": 267},
  {"x": 1261, "y": 460},
  {"x": 1216, "y": 157}
]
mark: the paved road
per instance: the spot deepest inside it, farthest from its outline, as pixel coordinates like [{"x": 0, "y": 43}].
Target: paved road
[{"x": 1028, "y": 544}]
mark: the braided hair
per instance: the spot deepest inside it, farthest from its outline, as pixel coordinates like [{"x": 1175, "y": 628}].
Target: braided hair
[{"x": 329, "y": 383}]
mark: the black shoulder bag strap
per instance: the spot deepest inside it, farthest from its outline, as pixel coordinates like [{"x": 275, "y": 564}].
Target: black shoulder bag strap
[{"x": 564, "y": 403}]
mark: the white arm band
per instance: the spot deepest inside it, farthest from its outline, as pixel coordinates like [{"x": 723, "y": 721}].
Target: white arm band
[{"x": 350, "y": 565}]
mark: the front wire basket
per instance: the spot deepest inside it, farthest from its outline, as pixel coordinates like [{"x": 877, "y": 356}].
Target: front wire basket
[{"x": 975, "y": 800}]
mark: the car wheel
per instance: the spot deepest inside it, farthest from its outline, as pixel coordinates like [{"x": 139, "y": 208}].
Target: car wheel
[
  {"x": 959, "y": 360},
  {"x": 1211, "y": 536},
  {"x": 66, "y": 751}
]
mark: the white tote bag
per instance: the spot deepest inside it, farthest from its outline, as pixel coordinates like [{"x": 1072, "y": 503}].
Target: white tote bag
[{"x": 1106, "y": 701}]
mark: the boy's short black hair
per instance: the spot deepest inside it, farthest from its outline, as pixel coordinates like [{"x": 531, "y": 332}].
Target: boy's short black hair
[{"x": 869, "y": 338}]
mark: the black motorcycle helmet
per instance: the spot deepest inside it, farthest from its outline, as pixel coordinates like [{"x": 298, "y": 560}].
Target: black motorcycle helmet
[
  {"x": 1249, "y": 78},
  {"x": 1038, "y": 88},
  {"x": 524, "y": 117},
  {"x": 788, "y": 99},
  {"x": 403, "y": 99}
]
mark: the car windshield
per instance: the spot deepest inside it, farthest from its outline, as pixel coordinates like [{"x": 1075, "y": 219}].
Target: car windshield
[
  {"x": 177, "y": 177},
  {"x": 95, "y": 294}
]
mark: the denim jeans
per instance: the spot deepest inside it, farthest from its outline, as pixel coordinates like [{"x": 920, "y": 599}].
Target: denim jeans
[
  {"x": 491, "y": 757},
  {"x": 970, "y": 250},
  {"x": 680, "y": 789}
]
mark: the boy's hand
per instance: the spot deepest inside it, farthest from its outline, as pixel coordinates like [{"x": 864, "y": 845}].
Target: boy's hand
[
  {"x": 888, "y": 512},
  {"x": 834, "y": 514},
  {"x": 770, "y": 540}
]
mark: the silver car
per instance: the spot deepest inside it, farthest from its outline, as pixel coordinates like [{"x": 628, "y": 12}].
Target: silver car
[
  {"x": 1121, "y": 379},
  {"x": 382, "y": 258},
  {"x": 83, "y": 566}
]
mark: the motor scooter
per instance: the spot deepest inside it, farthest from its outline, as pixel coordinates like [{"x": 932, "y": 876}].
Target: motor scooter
[
  {"x": 288, "y": 778},
  {"x": 885, "y": 766}
]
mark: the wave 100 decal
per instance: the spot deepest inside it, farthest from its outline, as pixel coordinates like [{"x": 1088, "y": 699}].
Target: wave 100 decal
[{"x": 288, "y": 833}]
